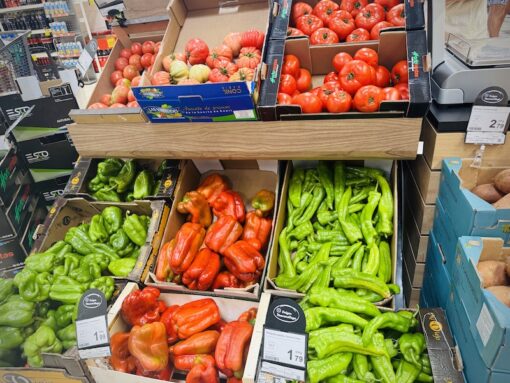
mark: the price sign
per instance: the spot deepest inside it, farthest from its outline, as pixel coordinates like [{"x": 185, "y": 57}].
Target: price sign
[
  {"x": 92, "y": 327},
  {"x": 276, "y": 372},
  {"x": 285, "y": 347},
  {"x": 91, "y": 332}
]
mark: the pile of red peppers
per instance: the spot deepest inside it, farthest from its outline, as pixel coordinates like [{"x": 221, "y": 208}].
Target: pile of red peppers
[
  {"x": 191, "y": 338},
  {"x": 218, "y": 234}
]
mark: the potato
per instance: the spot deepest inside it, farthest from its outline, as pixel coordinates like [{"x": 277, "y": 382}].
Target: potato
[
  {"x": 493, "y": 273},
  {"x": 502, "y": 293},
  {"x": 502, "y": 181},
  {"x": 487, "y": 192},
  {"x": 503, "y": 203}
]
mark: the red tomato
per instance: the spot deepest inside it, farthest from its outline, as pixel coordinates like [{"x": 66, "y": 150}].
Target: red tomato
[
  {"x": 382, "y": 76},
  {"x": 339, "y": 102},
  {"x": 354, "y": 75},
  {"x": 116, "y": 76},
  {"x": 367, "y": 55},
  {"x": 160, "y": 78},
  {"x": 294, "y": 32},
  {"x": 126, "y": 53},
  {"x": 130, "y": 72},
  {"x": 288, "y": 84},
  {"x": 106, "y": 99},
  {"x": 309, "y": 102},
  {"x": 323, "y": 36},
  {"x": 124, "y": 81},
  {"x": 133, "y": 104},
  {"x": 121, "y": 63},
  {"x": 253, "y": 38},
  {"x": 353, "y": 6},
  {"x": 196, "y": 51},
  {"x": 342, "y": 14},
  {"x": 117, "y": 105},
  {"x": 325, "y": 90},
  {"x": 136, "y": 61},
  {"x": 331, "y": 76},
  {"x": 397, "y": 15},
  {"x": 315, "y": 91},
  {"x": 368, "y": 98},
  {"x": 359, "y": 34},
  {"x": 284, "y": 99},
  {"x": 291, "y": 65},
  {"x": 300, "y": 9},
  {"x": 131, "y": 96},
  {"x": 148, "y": 47},
  {"x": 304, "y": 81},
  {"x": 391, "y": 93},
  {"x": 340, "y": 60},
  {"x": 97, "y": 105},
  {"x": 387, "y": 4},
  {"x": 399, "y": 72},
  {"x": 376, "y": 30},
  {"x": 342, "y": 24},
  {"x": 323, "y": 10},
  {"x": 309, "y": 24},
  {"x": 136, "y": 49},
  {"x": 403, "y": 89},
  {"x": 146, "y": 60},
  {"x": 157, "y": 47},
  {"x": 369, "y": 16},
  {"x": 136, "y": 81}
]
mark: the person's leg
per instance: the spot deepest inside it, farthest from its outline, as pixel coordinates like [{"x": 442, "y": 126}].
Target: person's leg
[{"x": 497, "y": 13}]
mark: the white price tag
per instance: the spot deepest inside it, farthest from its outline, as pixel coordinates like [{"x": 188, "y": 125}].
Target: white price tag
[
  {"x": 91, "y": 332},
  {"x": 487, "y": 138},
  {"x": 282, "y": 371},
  {"x": 488, "y": 119},
  {"x": 98, "y": 352},
  {"x": 284, "y": 347}
]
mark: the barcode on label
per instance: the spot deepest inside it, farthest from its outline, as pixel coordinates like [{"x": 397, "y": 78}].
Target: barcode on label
[{"x": 240, "y": 114}]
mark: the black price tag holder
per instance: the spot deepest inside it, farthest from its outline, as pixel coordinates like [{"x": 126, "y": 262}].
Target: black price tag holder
[
  {"x": 284, "y": 343},
  {"x": 92, "y": 334}
]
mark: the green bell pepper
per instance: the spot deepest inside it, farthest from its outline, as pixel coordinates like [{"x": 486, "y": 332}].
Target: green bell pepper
[
  {"x": 71, "y": 262},
  {"x": 104, "y": 249},
  {"x": 86, "y": 272},
  {"x": 97, "y": 231},
  {"x": 412, "y": 346},
  {"x": 6, "y": 289},
  {"x": 123, "y": 180},
  {"x": 16, "y": 312},
  {"x": 42, "y": 309},
  {"x": 67, "y": 336},
  {"x": 10, "y": 337},
  {"x": 67, "y": 290},
  {"x": 110, "y": 167},
  {"x": 41, "y": 262},
  {"x": 95, "y": 184},
  {"x": 143, "y": 185},
  {"x": 102, "y": 260},
  {"x": 43, "y": 340},
  {"x": 112, "y": 219},
  {"x": 135, "y": 228},
  {"x": 33, "y": 286},
  {"x": 64, "y": 315},
  {"x": 121, "y": 243},
  {"x": 122, "y": 267},
  {"x": 78, "y": 238},
  {"x": 105, "y": 284},
  {"x": 106, "y": 195},
  {"x": 51, "y": 320}
]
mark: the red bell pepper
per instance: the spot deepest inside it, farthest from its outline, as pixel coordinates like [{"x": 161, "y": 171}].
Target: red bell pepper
[
  {"x": 257, "y": 230},
  {"x": 233, "y": 379},
  {"x": 218, "y": 326},
  {"x": 186, "y": 362},
  {"x": 164, "y": 374},
  {"x": 263, "y": 202},
  {"x": 121, "y": 359},
  {"x": 198, "y": 208},
  {"x": 188, "y": 240},
  {"x": 229, "y": 203},
  {"x": 248, "y": 315},
  {"x": 194, "y": 317},
  {"x": 244, "y": 261},
  {"x": 149, "y": 346},
  {"x": 166, "y": 319},
  {"x": 201, "y": 373},
  {"x": 212, "y": 186},
  {"x": 231, "y": 349},
  {"x": 163, "y": 270},
  {"x": 201, "y": 343},
  {"x": 201, "y": 273},
  {"x": 142, "y": 306},
  {"x": 226, "y": 279},
  {"x": 223, "y": 233}
]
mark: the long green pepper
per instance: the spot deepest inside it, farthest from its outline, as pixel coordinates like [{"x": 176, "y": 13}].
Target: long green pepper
[{"x": 326, "y": 180}]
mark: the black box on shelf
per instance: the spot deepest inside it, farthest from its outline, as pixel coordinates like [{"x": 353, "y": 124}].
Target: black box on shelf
[
  {"x": 21, "y": 208},
  {"x": 13, "y": 173}
]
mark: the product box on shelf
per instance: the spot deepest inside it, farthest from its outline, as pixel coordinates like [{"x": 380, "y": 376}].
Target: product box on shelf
[
  {"x": 470, "y": 214},
  {"x": 225, "y": 101},
  {"x": 423, "y": 214},
  {"x": 230, "y": 309},
  {"x": 445, "y": 235},
  {"x": 414, "y": 269},
  {"x": 68, "y": 213},
  {"x": 474, "y": 367},
  {"x": 488, "y": 317},
  {"x": 245, "y": 178},
  {"x": 281, "y": 218},
  {"x": 393, "y": 46},
  {"x": 427, "y": 179},
  {"x": 86, "y": 169},
  {"x": 12, "y": 175},
  {"x": 50, "y": 185},
  {"x": 418, "y": 241},
  {"x": 37, "y": 218},
  {"x": 21, "y": 208}
]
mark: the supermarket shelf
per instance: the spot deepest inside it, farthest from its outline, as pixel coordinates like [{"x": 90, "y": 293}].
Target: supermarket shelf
[
  {"x": 22, "y": 8},
  {"x": 395, "y": 138},
  {"x": 40, "y": 31}
]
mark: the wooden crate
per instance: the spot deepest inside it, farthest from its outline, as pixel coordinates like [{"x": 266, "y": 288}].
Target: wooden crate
[
  {"x": 427, "y": 179},
  {"x": 423, "y": 213}
]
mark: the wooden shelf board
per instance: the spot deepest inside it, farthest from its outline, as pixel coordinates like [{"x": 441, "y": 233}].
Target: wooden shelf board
[{"x": 395, "y": 138}]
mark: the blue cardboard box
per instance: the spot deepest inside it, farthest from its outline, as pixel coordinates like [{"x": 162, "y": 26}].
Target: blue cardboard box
[
  {"x": 445, "y": 235},
  {"x": 470, "y": 214},
  {"x": 488, "y": 317},
  {"x": 475, "y": 369},
  {"x": 437, "y": 282}
]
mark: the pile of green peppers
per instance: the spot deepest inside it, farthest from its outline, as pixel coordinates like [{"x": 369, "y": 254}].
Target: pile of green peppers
[
  {"x": 338, "y": 228},
  {"x": 117, "y": 180},
  {"x": 351, "y": 341}
]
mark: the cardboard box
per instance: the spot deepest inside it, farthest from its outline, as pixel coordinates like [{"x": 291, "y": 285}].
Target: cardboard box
[
  {"x": 39, "y": 375},
  {"x": 475, "y": 369},
  {"x": 394, "y": 45},
  {"x": 12, "y": 175},
  {"x": 31, "y": 232},
  {"x": 230, "y": 309},
  {"x": 86, "y": 169},
  {"x": 418, "y": 241},
  {"x": 272, "y": 272},
  {"x": 488, "y": 317},
  {"x": 246, "y": 178},
  {"x": 21, "y": 208},
  {"x": 12, "y": 254},
  {"x": 422, "y": 213},
  {"x": 50, "y": 185},
  {"x": 411, "y": 294},
  {"x": 445, "y": 235},
  {"x": 67, "y": 213},
  {"x": 470, "y": 214},
  {"x": 426, "y": 178},
  {"x": 232, "y": 101},
  {"x": 414, "y": 269}
]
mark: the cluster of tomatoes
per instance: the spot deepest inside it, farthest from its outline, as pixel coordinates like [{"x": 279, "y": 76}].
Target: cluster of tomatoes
[
  {"x": 128, "y": 67},
  {"x": 330, "y": 22},
  {"x": 358, "y": 83}
]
